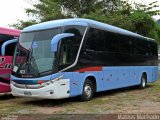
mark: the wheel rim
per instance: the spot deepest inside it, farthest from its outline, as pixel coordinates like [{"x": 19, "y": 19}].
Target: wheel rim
[
  {"x": 87, "y": 91},
  {"x": 143, "y": 82}
]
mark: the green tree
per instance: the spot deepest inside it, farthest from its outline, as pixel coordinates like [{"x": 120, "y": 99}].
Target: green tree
[
  {"x": 45, "y": 10},
  {"x": 22, "y": 24},
  {"x": 77, "y": 8},
  {"x": 134, "y": 17}
]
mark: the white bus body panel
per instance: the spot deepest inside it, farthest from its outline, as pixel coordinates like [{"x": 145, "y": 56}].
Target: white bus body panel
[{"x": 57, "y": 90}]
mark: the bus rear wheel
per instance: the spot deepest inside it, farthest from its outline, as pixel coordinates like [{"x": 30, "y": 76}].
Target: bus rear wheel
[
  {"x": 88, "y": 91},
  {"x": 143, "y": 82}
]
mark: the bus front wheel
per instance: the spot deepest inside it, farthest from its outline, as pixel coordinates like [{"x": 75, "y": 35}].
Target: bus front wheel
[{"x": 88, "y": 91}]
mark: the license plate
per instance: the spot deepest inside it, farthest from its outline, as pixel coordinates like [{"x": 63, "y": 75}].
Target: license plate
[{"x": 27, "y": 93}]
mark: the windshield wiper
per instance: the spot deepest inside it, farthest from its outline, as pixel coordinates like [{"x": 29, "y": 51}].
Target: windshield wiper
[
  {"x": 30, "y": 57},
  {"x": 48, "y": 71}
]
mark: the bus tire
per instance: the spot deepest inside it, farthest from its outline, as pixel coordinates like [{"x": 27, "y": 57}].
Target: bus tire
[
  {"x": 143, "y": 82},
  {"x": 88, "y": 91}
]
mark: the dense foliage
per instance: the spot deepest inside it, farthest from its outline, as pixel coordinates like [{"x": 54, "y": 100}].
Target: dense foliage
[{"x": 131, "y": 16}]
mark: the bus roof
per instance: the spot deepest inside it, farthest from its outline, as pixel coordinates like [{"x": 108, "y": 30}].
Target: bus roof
[
  {"x": 81, "y": 21},
  {"x": 9, "y": 31}
]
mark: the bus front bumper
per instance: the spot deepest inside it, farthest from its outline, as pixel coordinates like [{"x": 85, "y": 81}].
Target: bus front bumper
[{"x": 57, "y": 90}]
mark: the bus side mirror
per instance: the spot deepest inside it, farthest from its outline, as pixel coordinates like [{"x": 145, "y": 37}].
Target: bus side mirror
[
  {"x": 55, "y": 40},
  {"x": 3, "y": 48}
]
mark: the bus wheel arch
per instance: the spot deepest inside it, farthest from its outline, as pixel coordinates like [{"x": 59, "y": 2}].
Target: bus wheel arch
[
  {"x": 89, "y": 87},
  {"x": 93, "y": 80},
  {"x": 143, "y": 83}
]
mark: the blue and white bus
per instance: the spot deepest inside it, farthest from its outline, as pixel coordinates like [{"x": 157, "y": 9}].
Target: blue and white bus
[{"x": 78, "y": 57}]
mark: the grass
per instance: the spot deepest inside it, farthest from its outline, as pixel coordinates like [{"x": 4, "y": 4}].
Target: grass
[{"x": 115, "y": 101}]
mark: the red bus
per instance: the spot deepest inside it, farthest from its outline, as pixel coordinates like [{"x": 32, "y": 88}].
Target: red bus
[{"x": 8, "y": 39}]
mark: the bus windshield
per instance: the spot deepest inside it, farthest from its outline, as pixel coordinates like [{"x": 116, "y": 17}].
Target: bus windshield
[
  {"x": 33, "y": 53},
  {"x": 34, "y": 57}
]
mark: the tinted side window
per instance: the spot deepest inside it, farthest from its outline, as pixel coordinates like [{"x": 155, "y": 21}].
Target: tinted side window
[
  {"x": 95, "y": 40},
  {"x": 100, "y": 40},
  {"x": 69, "y": 46},
  {"x": 141, "y": 47},
  {"x": 66, "y": 52},
  {"x": 153, "y": 49},
  {"x": 124, "y": 44},
  {"x": 10, "y": 49},
  {"x": 111, "y": 42},
  {"x": 78, "y": 32}
]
